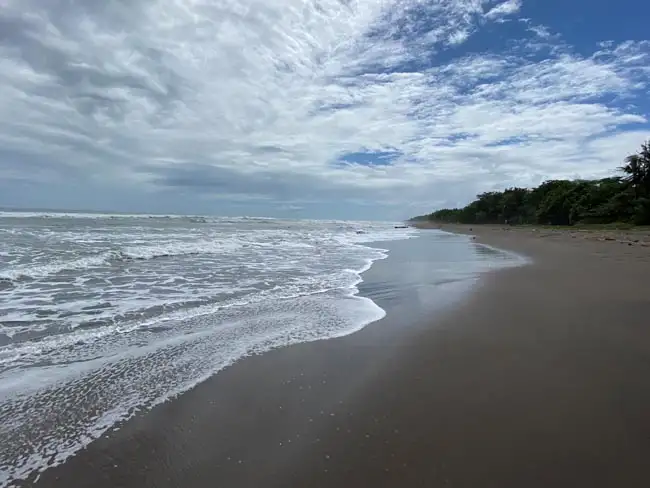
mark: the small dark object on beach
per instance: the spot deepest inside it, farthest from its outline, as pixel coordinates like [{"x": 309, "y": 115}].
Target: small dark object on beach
[{"x": 401, "y": 226}]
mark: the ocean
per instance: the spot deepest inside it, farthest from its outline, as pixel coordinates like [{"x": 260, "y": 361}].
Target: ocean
[{"x": 104, "y": 316}]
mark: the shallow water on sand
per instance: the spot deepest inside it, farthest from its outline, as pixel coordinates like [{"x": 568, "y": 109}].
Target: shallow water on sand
[{"x": 432, "y": 272}]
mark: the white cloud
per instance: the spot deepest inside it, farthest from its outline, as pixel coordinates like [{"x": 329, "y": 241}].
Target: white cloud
[
  {"x": 257, "y": 100},
  {"x": 458, "y": 37},
  {"x": 541, "y": 31},
  {"x": 504, "y": 9}
]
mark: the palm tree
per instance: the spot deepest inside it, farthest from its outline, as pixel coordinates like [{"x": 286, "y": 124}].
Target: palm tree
[
  {"x": 636, "y": 170},
  {"x": 644, "y": 154}
]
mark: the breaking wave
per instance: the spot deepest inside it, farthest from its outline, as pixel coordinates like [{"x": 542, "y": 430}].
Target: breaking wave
[{"x": 113, "y": 257}]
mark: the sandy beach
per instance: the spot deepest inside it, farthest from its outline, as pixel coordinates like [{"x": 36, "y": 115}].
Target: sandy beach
[{"x": 538, "y": 378}]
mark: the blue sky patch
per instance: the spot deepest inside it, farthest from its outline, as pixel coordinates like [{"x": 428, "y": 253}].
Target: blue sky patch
[{"x": 370, "y": 158}]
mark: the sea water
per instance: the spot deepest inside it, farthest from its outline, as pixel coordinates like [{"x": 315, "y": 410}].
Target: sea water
[{"x": 103, "y": 316}]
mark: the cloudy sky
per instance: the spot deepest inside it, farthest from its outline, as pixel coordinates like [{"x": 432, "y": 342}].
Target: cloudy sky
[{"x": 313, "y": 108}]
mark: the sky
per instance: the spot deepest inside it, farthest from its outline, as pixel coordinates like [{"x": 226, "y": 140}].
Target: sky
[{"x": 358, "y": 109}]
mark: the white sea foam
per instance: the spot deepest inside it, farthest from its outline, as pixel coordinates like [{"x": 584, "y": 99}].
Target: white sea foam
[
  {"x": 117, "y": 255},
  {"x": 42, "y": 270},
  {"x": 171, "y": 249},
  {"x": 171, "y": 366}
]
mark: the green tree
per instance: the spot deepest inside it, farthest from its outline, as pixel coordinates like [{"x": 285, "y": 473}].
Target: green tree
[
  {"x": 635, "y": 171},
  {"x": 565, "y": 202}
]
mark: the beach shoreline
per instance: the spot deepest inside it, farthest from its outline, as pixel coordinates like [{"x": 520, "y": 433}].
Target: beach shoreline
[
  {"x": 538, "y": 378},
  {"x": 634, "y": 236}
]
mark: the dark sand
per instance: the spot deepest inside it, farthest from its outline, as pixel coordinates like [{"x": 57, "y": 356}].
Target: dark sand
[{"x": 540, "y": 379}]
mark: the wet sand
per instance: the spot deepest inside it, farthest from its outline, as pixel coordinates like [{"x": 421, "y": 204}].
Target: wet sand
[{"x": 539, "y": 378}]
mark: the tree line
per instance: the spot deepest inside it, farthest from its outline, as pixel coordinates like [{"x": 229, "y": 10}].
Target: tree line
[{"x": 624, "y": 198}]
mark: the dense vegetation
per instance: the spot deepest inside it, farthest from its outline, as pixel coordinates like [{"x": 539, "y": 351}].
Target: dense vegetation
[{"x": 565, "y": 202}]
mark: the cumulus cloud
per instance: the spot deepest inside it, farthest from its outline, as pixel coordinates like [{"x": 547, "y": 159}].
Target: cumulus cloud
[{"x": 257, "y": 101}]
